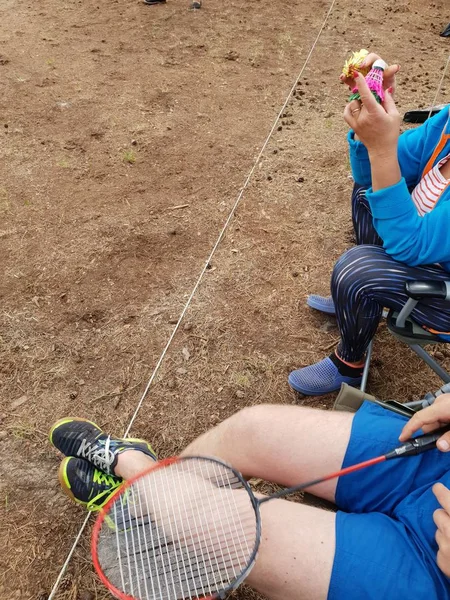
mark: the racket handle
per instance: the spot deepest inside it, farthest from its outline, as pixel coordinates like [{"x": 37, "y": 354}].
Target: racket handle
[{"x": 419, "y": 444}]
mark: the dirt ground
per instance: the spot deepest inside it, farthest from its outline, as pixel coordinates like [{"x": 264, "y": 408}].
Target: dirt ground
[{"x": 127, "y": 132}]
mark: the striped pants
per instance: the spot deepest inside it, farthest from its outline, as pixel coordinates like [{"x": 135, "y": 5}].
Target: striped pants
[{"x": 365, "y": 279}]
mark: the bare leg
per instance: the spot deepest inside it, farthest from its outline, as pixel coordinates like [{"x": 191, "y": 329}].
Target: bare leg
[
  {"x": 284, "y": 444},
  {"x": 297, "y": 552},
  {"x": 297, "y": 548}
]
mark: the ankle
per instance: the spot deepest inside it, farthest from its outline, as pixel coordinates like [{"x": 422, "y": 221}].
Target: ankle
[
  {"x": 345, "y": 368},
  {"x": 354, "y": 365},
  {"x": 131, "y": 463}
]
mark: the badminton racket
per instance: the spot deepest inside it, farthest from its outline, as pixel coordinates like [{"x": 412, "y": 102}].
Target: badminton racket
[{"x": 190, "y": 527}]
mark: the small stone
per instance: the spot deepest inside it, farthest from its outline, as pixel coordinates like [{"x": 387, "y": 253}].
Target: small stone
[
  {"x": 295, "y": 273},
  {"x": 327, "y": 326},
  {"x": 269, "y": 177},
  {"x": 85, "y": 595},
  {"x": 171, "y": 384},
  {"x": 73, "y": 395},
  {"x": 300, "y": 179},
  {"x": 134, "y": 142},
  {"x": 187, "y": 326},
  {"x": 3, "y": 435},
  {"x": 173, "y": 321},
  {"x": 172, "y": 232},
  {"x": 186, "y": 354},
  {"x": 19, "y": 402},
  {"x": 81, "y": 382},
  {"x": 181, "y": 371},
  {"x": 239, "y": 394}
]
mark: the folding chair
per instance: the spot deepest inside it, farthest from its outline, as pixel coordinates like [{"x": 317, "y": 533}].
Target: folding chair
[{"x": 404, "y": 328}]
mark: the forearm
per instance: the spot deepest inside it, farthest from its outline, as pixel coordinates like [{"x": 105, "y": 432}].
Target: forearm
[{"x": 385, "y": 170}]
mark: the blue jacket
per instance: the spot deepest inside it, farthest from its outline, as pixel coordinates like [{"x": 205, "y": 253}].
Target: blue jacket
[{"x": 407, "y": 237}]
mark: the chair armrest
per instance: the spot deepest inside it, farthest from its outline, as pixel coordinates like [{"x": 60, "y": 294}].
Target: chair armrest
[{"x": 428, "y": 289}]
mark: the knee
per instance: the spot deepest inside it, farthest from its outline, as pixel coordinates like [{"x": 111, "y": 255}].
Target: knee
[
  {"x": 354, "y": 265},
  {"x": 359, "y": 195},
  {"x": 247, "y": 424}
]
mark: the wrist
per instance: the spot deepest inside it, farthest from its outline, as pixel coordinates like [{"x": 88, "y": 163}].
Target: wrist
[
  {"x": 385, "y": 170},
  {"x": 384, "y": 154}
]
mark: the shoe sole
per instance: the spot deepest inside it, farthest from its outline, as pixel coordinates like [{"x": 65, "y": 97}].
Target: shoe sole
[
  {"x": 62, "y": 477},
  {"x": 320, "y": 307},
  {"x": 306, "y": 392}
]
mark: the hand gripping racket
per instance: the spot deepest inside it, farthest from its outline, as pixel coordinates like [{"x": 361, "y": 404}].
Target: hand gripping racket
[{"x": 190, "y": 527}]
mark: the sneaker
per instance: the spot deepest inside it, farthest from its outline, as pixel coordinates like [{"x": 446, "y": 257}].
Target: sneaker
[
  {"x": 85, "y": 484},
  {"x": 321, "y": 378},
  {"x": 324, "y": 304},
  {"x": 83, "y": 439}
]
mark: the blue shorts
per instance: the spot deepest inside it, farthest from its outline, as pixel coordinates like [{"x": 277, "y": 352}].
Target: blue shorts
[{"x": 385, "y": 546}]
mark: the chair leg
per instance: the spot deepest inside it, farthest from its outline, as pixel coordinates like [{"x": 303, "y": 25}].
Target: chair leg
[
  {"x": 431, "y": 362},
  {"x": 365, "y": 374}
]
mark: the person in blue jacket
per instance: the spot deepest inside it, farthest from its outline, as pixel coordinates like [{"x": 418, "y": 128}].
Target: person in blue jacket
[{"x": 401, "y": 217}]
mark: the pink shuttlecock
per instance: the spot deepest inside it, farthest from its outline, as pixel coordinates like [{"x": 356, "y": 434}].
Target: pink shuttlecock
[{"x": 374, "y": 80}]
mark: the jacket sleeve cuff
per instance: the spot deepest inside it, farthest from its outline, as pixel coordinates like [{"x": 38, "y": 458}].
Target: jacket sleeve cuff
[
  {"x": 359, "y": 160},
  {"x": 357, "y": 148},
  {"x": 391, "y": 202}
]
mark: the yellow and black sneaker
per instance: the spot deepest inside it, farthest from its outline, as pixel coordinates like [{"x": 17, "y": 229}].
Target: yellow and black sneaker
[
  {"x": 81, "y": 438},
  {"x": 85, "y": 484}
]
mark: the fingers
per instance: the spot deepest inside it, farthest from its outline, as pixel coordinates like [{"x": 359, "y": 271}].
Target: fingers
[
  {"x": 430, "y": 416},
  {"x": 443, "y": 442},
  {"x": 389, "y": 76},
  {"x": 351, "y": 112},
  {"x": 367, "y": 97},
  {"x": 369, "y": 60},
  {"x": 443, "y": 497},
  {"x": 389, "y": 104}
]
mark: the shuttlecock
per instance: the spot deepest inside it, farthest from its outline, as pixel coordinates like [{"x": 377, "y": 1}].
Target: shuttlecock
[
  {"x": 374, "y": 80},
  {"x": 354, "y": 64}
]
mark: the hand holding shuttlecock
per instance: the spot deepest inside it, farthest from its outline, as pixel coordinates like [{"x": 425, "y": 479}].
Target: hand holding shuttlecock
[
  {"x": 377, "y": 74},
  {"x": 374, "y": 80}
]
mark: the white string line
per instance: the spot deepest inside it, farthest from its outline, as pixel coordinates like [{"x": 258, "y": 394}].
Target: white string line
[
  {"x": 440, "y": 84},
  {"x": 225, "y": 227},
  {"x": 219, "y": 239}
]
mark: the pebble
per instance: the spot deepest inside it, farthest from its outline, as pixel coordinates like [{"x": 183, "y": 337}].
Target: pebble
[
  {"x": 187, "y": 326},
  {"x": 3, "y": 435},
  {"x": 86, "y": 595},
  {"x": 18, "y": 402},
  {"x": 239, "y": 394}
]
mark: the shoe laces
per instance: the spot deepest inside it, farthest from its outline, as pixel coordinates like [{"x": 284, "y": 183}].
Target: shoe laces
[
  {"x": 101, "y": 456},
  {"x": 103, "y": 478},
  {"x": 99, "y": 501}
]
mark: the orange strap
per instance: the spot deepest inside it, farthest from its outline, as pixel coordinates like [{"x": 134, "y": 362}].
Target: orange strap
[{"x": 444, "y": 139}]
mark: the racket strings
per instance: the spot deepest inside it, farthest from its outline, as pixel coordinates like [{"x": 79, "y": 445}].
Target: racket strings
[{"x": 181, "y": 532}]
